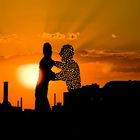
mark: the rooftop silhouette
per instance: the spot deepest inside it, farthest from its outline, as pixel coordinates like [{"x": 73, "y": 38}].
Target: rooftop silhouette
[{"x": 119, "y": 95}]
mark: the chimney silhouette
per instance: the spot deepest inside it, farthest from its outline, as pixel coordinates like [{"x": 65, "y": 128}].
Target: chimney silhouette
[
  {"x": 5, "y": 97},
  {"x": 54, "y": 99},
  {"x": 21, "y": 103},
  {"x": 6, "y": 105},
  {"x": 17, "y": 103}
]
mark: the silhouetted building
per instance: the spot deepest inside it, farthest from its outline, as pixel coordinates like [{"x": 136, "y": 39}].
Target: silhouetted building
[
  {"x": 58, "y": 107},
  {"x": 115, "y": 96},
  {"x": 17, "y": 108},
  {"x": 84, "y": 99},
  {"x": 6, "y": 105},
  {"x": 21, "y": 103},
  {"x": 54, "y": 99},
  {"x": 122, "y": 94},
  {"x": 122, "y": 87}
]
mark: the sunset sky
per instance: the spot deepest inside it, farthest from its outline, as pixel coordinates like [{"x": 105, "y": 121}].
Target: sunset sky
[{"x": 104, "y": 33}]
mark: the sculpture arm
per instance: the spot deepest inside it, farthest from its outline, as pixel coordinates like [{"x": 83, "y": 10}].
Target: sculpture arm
[
  {"x": 60, "y": 76},
  {"x": 58, "y": 64}
]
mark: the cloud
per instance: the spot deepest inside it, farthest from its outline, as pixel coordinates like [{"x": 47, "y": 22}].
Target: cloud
[
  {"x": 54, "y": 36},
  {"x": 2, "y": 58},
  {"x": 73, "y": 36},
  {"x": 121, "y": 61},
  {"x": 96, "y": 55},
  {"x": 59, "y": 36},
  {"x": 7, "y": 38}
]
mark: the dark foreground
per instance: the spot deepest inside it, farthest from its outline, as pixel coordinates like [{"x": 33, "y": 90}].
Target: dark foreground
[{"x": 106, "y": 124}]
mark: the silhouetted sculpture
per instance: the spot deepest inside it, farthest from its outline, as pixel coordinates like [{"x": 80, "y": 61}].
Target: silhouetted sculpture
[
  {"x": 45, "y": 75},
  {"x": 69, "y": 68}
]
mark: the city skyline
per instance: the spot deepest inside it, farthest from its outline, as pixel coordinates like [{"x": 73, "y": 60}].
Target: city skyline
[{"x": 117, "y": 95}]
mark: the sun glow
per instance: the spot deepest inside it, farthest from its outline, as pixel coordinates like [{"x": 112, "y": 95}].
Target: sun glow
[{"x": 28, "y": 75}]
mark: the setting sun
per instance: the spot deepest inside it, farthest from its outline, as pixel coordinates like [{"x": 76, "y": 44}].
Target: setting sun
[{"x": 28, "y": 75}]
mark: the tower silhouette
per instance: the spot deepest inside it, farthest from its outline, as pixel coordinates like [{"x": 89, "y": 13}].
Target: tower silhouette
[{"x": 6, "y": 105}]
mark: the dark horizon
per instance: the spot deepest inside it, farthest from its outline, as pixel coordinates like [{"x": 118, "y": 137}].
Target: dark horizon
[{"x": 88, "y": 98}]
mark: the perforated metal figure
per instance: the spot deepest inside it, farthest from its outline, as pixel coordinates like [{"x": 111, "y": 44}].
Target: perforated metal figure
[{"x": 70, "y": 72}]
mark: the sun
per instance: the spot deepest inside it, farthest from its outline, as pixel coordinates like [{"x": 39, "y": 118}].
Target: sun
[{"x": 28, "y": 75}]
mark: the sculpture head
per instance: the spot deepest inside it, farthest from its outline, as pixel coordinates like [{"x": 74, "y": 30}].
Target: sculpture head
[
  {"x": 66, "y": 52},
  {"x": 47, "y": 50}
]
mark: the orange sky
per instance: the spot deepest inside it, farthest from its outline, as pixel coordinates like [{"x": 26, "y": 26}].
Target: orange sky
[{"x": 105, "y": 36}]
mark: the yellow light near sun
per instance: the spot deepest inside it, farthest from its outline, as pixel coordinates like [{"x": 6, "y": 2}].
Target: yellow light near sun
[{"x": 28, "y": 75}]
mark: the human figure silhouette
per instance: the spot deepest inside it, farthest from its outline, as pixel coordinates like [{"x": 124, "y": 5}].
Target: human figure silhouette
[
  {"x": 70, "y": 72},
  {"x": 45, "y": 75}
]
